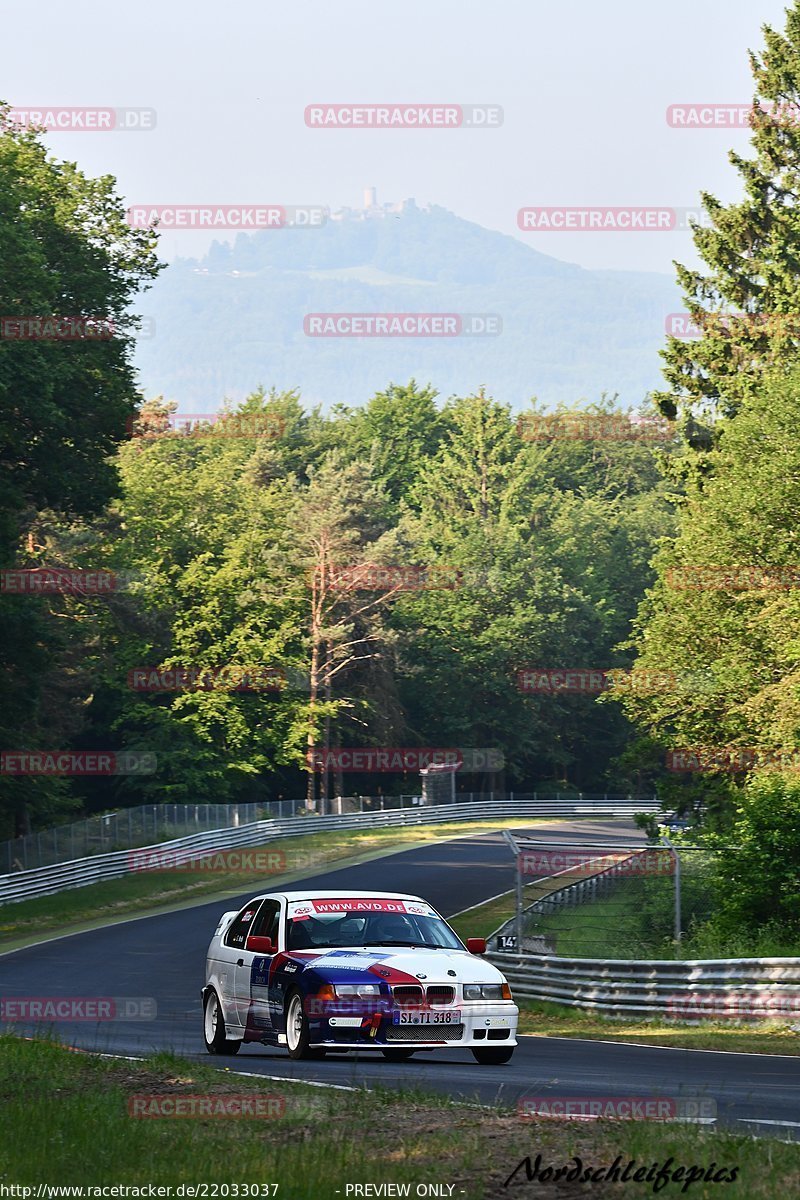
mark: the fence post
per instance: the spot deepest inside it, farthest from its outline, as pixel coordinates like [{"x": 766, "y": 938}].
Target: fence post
[{"x": 678, "y": 933}]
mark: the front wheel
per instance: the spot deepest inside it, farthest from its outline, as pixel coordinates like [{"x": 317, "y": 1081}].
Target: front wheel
[
  {"x": 298, "y": 1034},
  {"x": 494, "y": 1057},
  {"x": 214, "y": 1027},
  {"x": 397, "y": 1055}
]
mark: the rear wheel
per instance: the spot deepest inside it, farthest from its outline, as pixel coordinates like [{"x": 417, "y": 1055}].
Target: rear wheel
[
  {"x": 494, "y": 1057},
  {"x": 214, "y": 1027},
  {"x": 397, "y": 1055},
  {"x": 298, "y": 1034}
]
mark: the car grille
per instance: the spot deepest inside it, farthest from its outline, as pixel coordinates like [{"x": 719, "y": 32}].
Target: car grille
[
  {"x": 424, "y": 1033},
  {"x": 441, "y": 994},
  {"x": 410, "y": 995}
]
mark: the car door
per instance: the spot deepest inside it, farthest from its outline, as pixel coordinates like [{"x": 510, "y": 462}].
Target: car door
[
  {"x": 233, "y": 956},
  {"x": 253, "y": 970}
]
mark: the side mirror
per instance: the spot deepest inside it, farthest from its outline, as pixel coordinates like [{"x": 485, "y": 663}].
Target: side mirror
[
  {"x": 476, "y": 945},
  {"x": 261, "y": 945}
]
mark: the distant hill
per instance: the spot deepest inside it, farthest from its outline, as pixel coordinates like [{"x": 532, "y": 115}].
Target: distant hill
[{"x": 234, "y": 319}]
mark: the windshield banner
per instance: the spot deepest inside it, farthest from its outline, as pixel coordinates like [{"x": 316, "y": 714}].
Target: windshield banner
[{"x": 301, "y": 910}]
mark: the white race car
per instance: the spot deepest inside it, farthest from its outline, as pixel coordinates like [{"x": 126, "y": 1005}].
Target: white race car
[{"x": 317, "y": 971}]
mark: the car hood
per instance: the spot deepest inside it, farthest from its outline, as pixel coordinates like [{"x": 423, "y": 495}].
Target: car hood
[{"x": 398, "y": 965}]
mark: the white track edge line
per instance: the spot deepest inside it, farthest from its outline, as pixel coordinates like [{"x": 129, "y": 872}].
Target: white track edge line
[{"x": 647, "y": 1046}]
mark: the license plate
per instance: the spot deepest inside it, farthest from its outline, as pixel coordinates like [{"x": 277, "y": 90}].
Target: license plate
[{"x": 452, "y": 1016}]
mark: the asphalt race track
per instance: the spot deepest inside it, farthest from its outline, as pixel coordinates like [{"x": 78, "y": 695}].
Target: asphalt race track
[{"x": 164, "y": 957}]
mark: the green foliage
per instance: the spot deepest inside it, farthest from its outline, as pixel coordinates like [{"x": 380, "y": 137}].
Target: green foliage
[
  {"x": 65, "y": 251},
  {"x": 758, "y": 883},
  {"x": 751, "y": 275}
]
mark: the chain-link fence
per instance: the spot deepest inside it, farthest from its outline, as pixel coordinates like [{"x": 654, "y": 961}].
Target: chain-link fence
[
  {"x": 605, "y": 901},
  {"x": 147, "y": 824}
]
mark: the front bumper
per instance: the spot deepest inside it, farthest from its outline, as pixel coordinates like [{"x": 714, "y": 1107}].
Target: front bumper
[{"x": 480, "y": 1025}]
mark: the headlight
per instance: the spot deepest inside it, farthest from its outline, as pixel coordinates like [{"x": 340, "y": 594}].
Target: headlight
[
  {"x": 487, "y": 991},
  {"x": 357, "y": 989}
]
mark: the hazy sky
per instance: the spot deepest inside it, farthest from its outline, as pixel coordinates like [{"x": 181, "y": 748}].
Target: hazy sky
[{"x": 584, "y": 88}]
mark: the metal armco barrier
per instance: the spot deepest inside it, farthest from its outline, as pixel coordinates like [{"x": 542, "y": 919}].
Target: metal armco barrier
[
  {"x": 43, "y": 881},
  {"x": 705, "y": 989}
]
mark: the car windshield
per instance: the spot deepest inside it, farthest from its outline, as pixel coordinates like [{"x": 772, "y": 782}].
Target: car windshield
[{"x": 326, "y": 930}]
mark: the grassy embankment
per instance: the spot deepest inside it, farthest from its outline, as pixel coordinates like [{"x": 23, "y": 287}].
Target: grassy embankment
[{"x": 67, "y": 1121}]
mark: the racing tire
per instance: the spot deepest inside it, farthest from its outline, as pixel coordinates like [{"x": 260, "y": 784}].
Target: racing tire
[
  {"x": 298, "y": 1033},
  {"x": 492, "y": 1056},
  {"x": 214, "y": 1027},
  {"x": 397, "y": 1055}
]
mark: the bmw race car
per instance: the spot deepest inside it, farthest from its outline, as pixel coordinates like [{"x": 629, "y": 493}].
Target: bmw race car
[{"x": 333, "y": 971}]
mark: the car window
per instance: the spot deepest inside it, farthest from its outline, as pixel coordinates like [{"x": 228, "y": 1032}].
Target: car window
[
  {"x": 240, "y": 926},
  {"x": 267, "y": 922},
  {"x": 310, "y": 933}
]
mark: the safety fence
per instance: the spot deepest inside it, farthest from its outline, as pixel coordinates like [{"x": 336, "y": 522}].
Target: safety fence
[
  {"x": 689, "y": 991},
  {"x": 80, "y": 872},
  {"x": 145, "y": 824}
]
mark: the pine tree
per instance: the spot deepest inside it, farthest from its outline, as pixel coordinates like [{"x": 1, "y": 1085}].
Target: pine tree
[{"x": 748, "y": 304}]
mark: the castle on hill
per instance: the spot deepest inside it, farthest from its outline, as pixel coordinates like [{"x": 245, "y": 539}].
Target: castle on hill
[{"x": 373, "y": 211}]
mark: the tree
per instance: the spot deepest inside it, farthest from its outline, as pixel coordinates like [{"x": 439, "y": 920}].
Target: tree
[
  {"x": 731, "y": 636},
  {"x": 751, "y": 250},
  {"x": 550, "y": 578},
  {"x": 66, "y": 252},
  {"x": 338, "y": 526},
  {"x": 398, "y": 430}
]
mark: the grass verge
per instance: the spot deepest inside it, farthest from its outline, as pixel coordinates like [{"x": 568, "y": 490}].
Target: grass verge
[
  {"x": 148, "y": 891},
  {"x": 558, "y": 1020},
  {"x": 67, "y": 1121}
]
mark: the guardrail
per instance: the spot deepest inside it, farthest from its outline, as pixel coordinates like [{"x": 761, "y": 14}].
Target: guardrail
[
  {"x": 703, "y": 989},
  {"x": 43, "y": 881}
]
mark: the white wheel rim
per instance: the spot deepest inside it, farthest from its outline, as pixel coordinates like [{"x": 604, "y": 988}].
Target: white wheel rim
[
  {"x": 212, "y": 1017},
  {"x": 294, "y": 1023}
]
